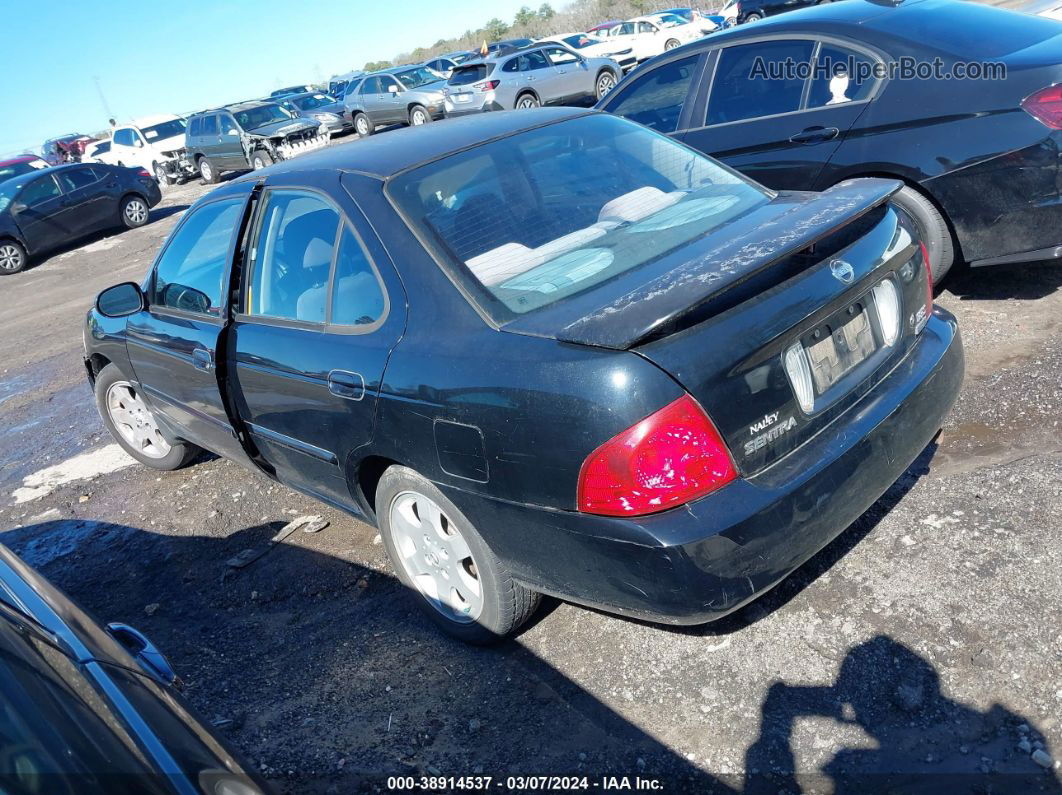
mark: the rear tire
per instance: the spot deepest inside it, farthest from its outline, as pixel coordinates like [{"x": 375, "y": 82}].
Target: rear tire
[
  {"x": 932, "y": 229},
  {"x": 135, "y": 211},
  {"x": 120, "y": 405},
  {"x": 207, "y": 171},
  {"x": 449, "y": 551},
  {"x": 12, "y": 257},
  {"x": 671, "y": 44},
  {"x": 418, "y": 115},
  {"x": 526, "y": 101},
  {"x": 363, "y": 125},
  {"x": 753, "y": 17}
]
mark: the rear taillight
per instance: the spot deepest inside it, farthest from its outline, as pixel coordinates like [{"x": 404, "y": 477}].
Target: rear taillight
[
  {"x": 487, "y": 85},
  {"x": 143, "y": 172},
  {"x": 671, "y": 457},
  {"x": 1046, "y": 106}
]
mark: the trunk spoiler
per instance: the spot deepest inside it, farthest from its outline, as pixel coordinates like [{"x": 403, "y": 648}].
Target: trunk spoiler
[{"x": 734, "y": 253}]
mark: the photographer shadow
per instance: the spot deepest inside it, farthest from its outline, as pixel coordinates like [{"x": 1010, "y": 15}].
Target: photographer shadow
[{"x": 920, "y": 741}]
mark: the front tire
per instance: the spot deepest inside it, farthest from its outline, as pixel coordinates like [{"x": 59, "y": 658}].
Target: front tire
[
  {"x": 12, "y": 257},
  {"x": 932, "y": 230},
  {"x": 135, "y": 212},
  {"x": 606, "y": 81},
  {"x": 363, "y": 125},
  {"x": 132, "y": 425},
  {"x": 440, "y": 557},
  {"x": 418, "y": 115},
  {"x": 261, "y": 159},
  {"x": 161, "y": 176},
  {"x": 207, "y": 171}
]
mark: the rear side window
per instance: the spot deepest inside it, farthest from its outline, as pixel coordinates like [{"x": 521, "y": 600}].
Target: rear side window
[
  {"x": 210, "y": 125},
  {"x": 656, "y": 99},
  {"x": 73, "y": 178},
  {"x": 293, "y": 257},
  {"x": 835, "y": 81},
  {"x": 357, "y": 299},
  {"x": 196, "y": 126},
  {"x": 188, "y": 276},
  {"x": 744, "y": 87}
]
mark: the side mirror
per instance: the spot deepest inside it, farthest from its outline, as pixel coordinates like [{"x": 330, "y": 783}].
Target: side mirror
[
  {"x": 17, "y": 206},
  {"x": 123, "y": 299},
  {"x": 144, "y": 652}
]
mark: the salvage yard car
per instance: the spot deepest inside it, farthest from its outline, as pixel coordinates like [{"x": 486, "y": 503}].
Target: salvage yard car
[
  {"x": 155, "y": 143},
  {"x": 51, "y": 207},
  {"x": 247, "y": 135},
  {"x": 89, "y": 709},
  {"x": 978, "y": 158},
  {"x": 402, "y": 95},
  {"x": 546, "y": 352}
]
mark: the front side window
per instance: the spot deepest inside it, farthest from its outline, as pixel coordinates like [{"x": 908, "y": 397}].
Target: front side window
[
  {"x": 532, "y": 61},
  {"x": 646, "y": 27},
  {"x": 38, "y": 191},
  {"x": 530, "y": 219},
  {"x": 188, "y": 276},
  {"x": 656, "y": 99},
  {"x": 388, "y": 85},
  {"x": 753, "y": 80},
  {"x": 123, "y": 136},
  {"x": 293, "y": 257},
  {"x": 558, "y": 56}
]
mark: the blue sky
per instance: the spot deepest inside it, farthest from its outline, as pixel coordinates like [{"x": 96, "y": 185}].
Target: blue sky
[{"x": 162, "y": 56}]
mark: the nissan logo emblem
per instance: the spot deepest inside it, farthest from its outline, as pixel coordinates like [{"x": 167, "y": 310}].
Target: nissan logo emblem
[{"x": 842, "y": 271}]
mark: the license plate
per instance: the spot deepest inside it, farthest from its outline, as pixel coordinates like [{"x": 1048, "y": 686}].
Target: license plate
[
  {"x": 839, "y": 348},
  {"x": 462, "y": 97}
]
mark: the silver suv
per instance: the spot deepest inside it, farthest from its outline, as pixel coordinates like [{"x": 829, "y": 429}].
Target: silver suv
[
  {"x": 542, "y": 75},
  {"x": 402, "y": 95}
]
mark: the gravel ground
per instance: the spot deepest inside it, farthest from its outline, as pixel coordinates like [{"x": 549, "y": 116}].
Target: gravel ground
[{"x": 921, "y": 651}]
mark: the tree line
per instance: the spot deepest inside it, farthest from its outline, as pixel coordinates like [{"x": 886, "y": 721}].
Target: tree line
[{"x": 531, "y": 24}]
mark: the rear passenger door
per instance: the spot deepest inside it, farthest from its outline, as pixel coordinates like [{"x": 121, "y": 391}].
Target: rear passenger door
[
  {"x": 777, "y": 128},
  {"x": 538, "y": 75},
  {"x": 210, "y": 139},
  {"x": 90, "y": 198},
  {"x": 320, "y": 311}
]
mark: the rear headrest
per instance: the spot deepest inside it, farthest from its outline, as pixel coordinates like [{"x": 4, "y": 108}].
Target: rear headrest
[{"x": 318, "y": 253}]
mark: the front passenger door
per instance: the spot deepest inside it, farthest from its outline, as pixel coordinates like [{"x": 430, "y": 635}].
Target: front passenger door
[
  {"x": 392, "y": 108},
  {"x": 574, "y": 80},
  {"x": 174, "y": 343}
]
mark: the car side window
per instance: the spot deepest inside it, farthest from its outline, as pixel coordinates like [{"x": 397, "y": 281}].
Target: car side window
[
  {"x": 292, "y": 257},
  {"x": 833, "y": 82},
  {"x": 656, "y": 99},
  {"x": 357, "y": 297},
  {"x": 210, "y": 125},
  {"x": 228, "y": 125},
  {"x": 626, "y": 29},
  {"x": 195, "y": 127},
  {"x": 389, "y": 85},
  {"x": 189, "y": 273},
  {"x": 745, "y": 84},
  {"x": 512, "y": 65},
  {"x": 558, "y": 56},
  {"x": 371, "y": 86},
  {"x": 645, "y": 27},
  {"x": 38, "y": 191},
  {"x": 123, "y": 136},
  {"x": 532, "y": 61},
  {"x": 74, "y": 178}
]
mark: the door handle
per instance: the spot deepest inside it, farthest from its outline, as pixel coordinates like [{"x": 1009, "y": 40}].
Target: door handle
[
  {"x": 814, "y": 135},
  {"x": 203, "y": 359},
  {"x": 347, "y": 385}
]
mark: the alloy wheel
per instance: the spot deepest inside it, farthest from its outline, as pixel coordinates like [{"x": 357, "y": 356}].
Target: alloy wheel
[
  {"x": 670, "y": 44},
  {"x": 436, "y": 557},
  {"x": 160, "y": 174},
  {"x": 10, "y": 257},
  {"x": 136, "y": 211},
  {"x": 134, "y": 422},
  {"x": 419, "y": 117},
  {"x": 258, "y": 163},
  {"x": 605, "y": 83},
  {"x": 527, "y": 102},
  {"x": 363, "y": 125},
  {"x": 205, "y": 170}
]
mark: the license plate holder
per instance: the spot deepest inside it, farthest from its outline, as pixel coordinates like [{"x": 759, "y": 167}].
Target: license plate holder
[
  {"x": 462, "y": 97},
  {"x": 840, "y": 345}
]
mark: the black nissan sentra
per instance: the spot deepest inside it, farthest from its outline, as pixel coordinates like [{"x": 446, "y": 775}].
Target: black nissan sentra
[{"x": 545, "y": 352}]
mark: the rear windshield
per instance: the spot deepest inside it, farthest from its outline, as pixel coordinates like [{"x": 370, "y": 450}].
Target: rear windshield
[
  {"x": 531, "y": 219},
  {"x": 466, "y": 75}
]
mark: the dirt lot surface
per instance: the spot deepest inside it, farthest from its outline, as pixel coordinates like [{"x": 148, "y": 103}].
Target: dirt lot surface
[{"x": 926, "y": 641}]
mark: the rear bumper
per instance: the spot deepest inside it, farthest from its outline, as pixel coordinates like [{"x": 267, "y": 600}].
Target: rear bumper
[{"x": 697, "y": 563}]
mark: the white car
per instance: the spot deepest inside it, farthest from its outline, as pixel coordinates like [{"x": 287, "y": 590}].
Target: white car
[
  {"x": 592, "y": 47},
  {"x": 1052, "y": 9},
  {"x": 99, "y": 152},
  {"x": 729, "y": 13},
  {"x": 651, "y": 35},
  {"x": 153, "y": 142}
]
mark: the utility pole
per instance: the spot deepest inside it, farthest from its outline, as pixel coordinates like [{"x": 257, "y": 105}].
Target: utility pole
[{"x": 103, "y": 99}]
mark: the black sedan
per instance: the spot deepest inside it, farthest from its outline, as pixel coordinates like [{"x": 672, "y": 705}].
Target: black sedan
[
  {"x": 47, "y": 208},
  {"x": 546, "y": 352},
  {"x": 85, "y": 709},
  {"x": 979, "y": 158}
]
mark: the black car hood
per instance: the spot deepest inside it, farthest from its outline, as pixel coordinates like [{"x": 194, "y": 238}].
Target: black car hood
[
  {"x": 621, "y": 312},
  {"x": 285, "y": 127}
]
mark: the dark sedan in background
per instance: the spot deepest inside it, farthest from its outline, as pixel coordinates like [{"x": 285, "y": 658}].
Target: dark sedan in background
[
  {"x": 979, "y": 158},
  {"x": 17, "y": 166},
  {"x": 47, "y": 208},
  {"x": 549, "y": 351},
  {"x": 85, "y": 709}
]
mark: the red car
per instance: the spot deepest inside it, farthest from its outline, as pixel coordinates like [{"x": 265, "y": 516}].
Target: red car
[
  {"x": 23, "y": 164},
  {"x": 65, "y": 148},
  {"x": 604, "y": 27}
]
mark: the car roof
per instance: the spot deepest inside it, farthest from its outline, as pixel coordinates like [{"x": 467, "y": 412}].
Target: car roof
[
  {"x": 383, "y": 156},
  {"x": 148, "y": 121}
]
